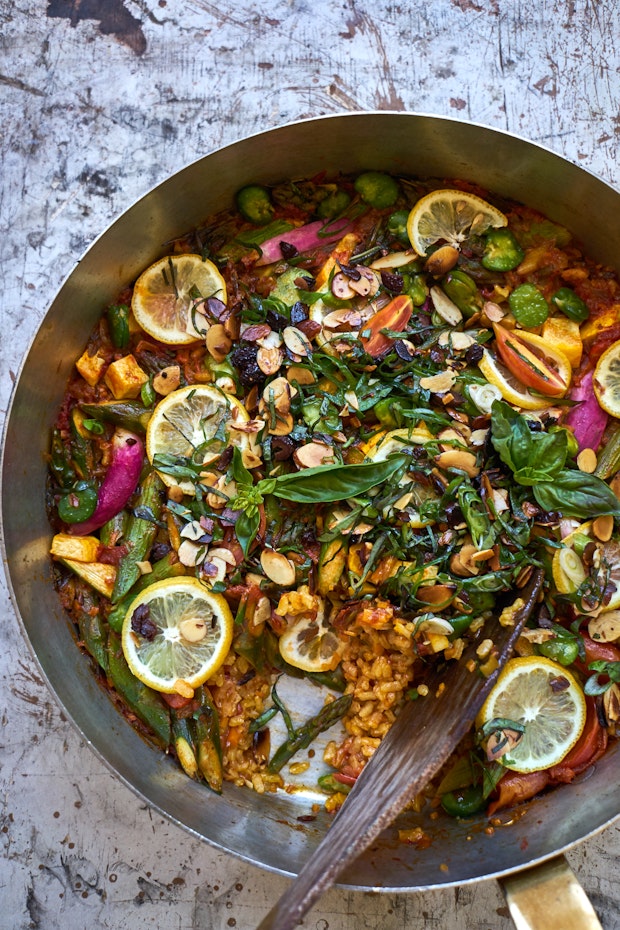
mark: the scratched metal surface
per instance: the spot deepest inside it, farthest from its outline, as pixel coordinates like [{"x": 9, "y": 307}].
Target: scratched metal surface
[{"x": 100, "y": 100}]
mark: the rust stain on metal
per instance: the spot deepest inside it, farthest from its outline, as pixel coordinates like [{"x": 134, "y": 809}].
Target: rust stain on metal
[{"x": 113, "y": 17}]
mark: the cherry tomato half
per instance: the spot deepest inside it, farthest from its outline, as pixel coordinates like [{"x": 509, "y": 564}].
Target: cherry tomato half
[{"x": 534, "y": 363}]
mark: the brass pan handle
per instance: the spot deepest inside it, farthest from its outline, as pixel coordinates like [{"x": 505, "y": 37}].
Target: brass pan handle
[{"x": 549, "y": 896}]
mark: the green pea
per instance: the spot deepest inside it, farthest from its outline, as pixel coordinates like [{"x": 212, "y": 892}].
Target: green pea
[
  {"x": 79, "y": 504},
  {"x": 570, "y": 304},
  {"x": 502, "y": 251},
  {"x": 254, "y": 203},
  {"x": 335, "y": 203},
  {"x": 528, "y": 305},
  {"x": 463, "y": 291},
  {"x": 464, "y": 802},
  {"x": 397, "y": 226},
  {"x": 562, "y": 649},
  {"x": 377, "y": 189}
]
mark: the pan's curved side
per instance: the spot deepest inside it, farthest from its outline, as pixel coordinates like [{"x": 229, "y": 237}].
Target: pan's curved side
[{"x": 265, "y": 830}]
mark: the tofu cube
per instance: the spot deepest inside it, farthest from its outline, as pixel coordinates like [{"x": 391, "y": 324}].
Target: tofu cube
[
  {"x": 90, "y": 367},
  {"x": 125, "y": 378}
]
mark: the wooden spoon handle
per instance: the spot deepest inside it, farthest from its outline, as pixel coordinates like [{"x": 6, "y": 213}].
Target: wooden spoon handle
[{"x": 426, "y": 731}]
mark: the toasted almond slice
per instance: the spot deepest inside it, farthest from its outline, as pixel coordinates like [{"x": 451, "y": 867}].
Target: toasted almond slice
[
  {"x": 296, "y": 342},
  {"x": 167, "y": 380},
  {"x": 277, "y": 567},
  {"x": 218, "y": 342},
  {"x": 445, "y": 307},
  {"x": 313, "y": 454},
  {"x": 269, "y": 360}
]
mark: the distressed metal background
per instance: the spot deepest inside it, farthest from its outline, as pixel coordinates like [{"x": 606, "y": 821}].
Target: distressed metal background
[{"x": 99, "y": 100}]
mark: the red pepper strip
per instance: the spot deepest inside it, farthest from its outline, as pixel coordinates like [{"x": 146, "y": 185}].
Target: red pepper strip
[
  {"x": 599, "y": 652},
  {"x": 525, "y": 365},
  {"x": 516, "y": 787},
  {"x": 589, "y": 747},
  {"x": 394, "y": 316}
]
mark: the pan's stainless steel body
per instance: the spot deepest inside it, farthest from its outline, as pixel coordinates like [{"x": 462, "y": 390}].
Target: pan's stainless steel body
[{"x": 265, "y": 830}]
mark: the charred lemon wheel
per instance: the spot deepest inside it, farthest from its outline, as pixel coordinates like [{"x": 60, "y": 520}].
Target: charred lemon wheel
[
  {"x": 198, "y": 419},
  {"x": 450, "y": 216},
  {"x": 176, "y": 634},
  {"x": 311, "y": 645},
  {"x": 606, "y": 380},
  {"x": 168, "y": 297},
  {"x": 547, "y": 701}
]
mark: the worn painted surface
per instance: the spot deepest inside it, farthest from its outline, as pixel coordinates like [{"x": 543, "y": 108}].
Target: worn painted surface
[{"x": 99, "y": 100}]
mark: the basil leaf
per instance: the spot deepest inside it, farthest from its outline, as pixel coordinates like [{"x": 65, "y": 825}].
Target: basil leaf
[
  {"x": 327, "y": 483},
  {"x": 239, "y": 471},
  {"x": 577, "y": 494},
  {"x": 246, "y": 527},
  {"x": 532, "y": 457}
]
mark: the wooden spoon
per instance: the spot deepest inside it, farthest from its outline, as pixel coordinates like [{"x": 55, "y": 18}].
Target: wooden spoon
[{"x": 426, "y": 731}]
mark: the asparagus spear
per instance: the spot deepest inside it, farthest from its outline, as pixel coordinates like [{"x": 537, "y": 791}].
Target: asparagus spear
[
  {"x": 145, "y": 703},
  {"x": 207, "y": 729},
  {"x": 92, "y": 627},
  {"x": 139, "y": 535},
  {"x": 302, "y": 737},
  {"x": 168, "y": 567}
]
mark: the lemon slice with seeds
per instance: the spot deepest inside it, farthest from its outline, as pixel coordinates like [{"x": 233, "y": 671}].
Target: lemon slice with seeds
[
  {"x": 606, "y": 380},
  {"x": 196, "y": 421},
  {"x": 547, "y": 701},
  {"x": 168, "y": 298},
  {"x": 176, "y": 635},
  {"x": 450, "y": 216}
]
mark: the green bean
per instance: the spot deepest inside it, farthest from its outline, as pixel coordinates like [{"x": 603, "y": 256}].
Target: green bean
[
  {"x": 118, "y": 322},
  {"x": 139, "y": 536},
  {"x": 463, "y": 291},
  {"x": 327, "y": 717},
  {"x": 145, "y": 703},
  {"x": 79, "y": 503},
  {"x": 184, "y": 744},
  {"x": 609, "y": 457},
  {"x": 128, "y": 414},
  {"x": 168, "y": 567},
  {"x": 207, "y": 729},
  {"x": 92, "y": 628},
  {"x": 60, "y": 463},
  {"x": 502, "y": 251},
  {"x": 570, "y": 304},
  {"x": 465, "y": 802}
]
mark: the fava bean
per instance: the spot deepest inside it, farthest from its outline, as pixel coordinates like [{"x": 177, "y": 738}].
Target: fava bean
[
  {"x": 79, "y": 504},
  {"x": 254, "y": 203},
  {"x": 528, "y": 305},
  {"x": 397, "y": 226},
  {"x": 377, "y": 189},
  {"x": 502, "y": 251},
  {"x": 463, "y": 291}
]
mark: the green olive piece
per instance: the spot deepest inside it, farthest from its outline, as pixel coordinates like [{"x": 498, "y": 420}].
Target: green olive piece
[
  {"x": 79, "y": 504},
  {"x": 464, "y": 802}
]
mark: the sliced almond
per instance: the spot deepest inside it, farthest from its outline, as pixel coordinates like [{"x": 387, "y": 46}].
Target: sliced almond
[
  {"x": 214, "y": 569},
  {"x": 493, "y": 312},
  {"x": 269, "y": 360},
  {"x": 313, "y": 454},
  {"x": 167, "y": 380},
  {"x": 191, "y": 553},
  {"x": 603, "y": 527},
  {"x": 463, "y": 461},
  {"x": 272, "y": 341},
  {"x": 587, "y": 461},
  {"x": 296, "y": 342},
  {"x": 218, "y": 342},
  {"x": 225, "y": 555},
  {"x": 343, "y": 320},
  {"x": 193, "y": 630},
  {"x": 341, "y": 286},
  {"x": 445, "y": 307},
  {"x": 296, "y": 373},
  {"x": 611, "y": 703},
  {"x": 277, "y": 567},
  {"x": 439, "y": 383},
  {"x": 394, "y": 260},
  {"x": 192, "y": 530},
  {"x": 279, "y": 392},
  {"x": 606, "y": 627}
]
